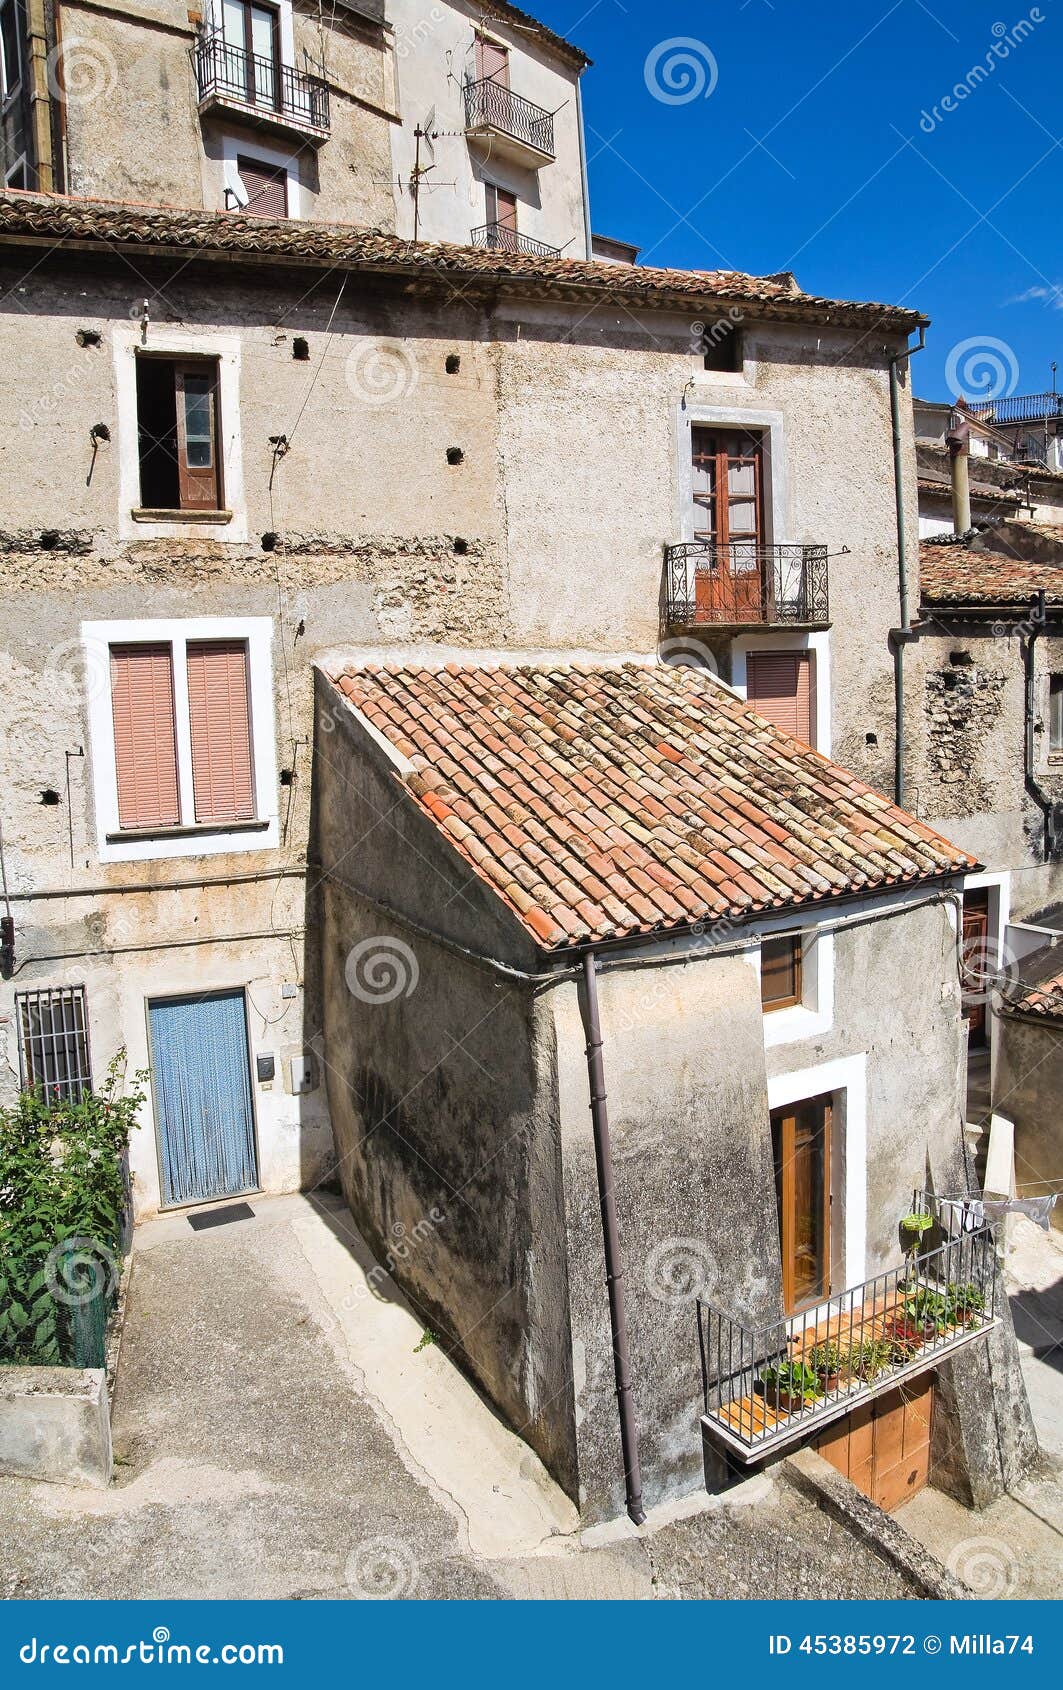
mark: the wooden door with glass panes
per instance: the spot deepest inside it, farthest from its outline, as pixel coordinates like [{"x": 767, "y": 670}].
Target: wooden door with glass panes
[
  {"x": 727, "y": 500},
  {"x": 800, "y": 1135}
]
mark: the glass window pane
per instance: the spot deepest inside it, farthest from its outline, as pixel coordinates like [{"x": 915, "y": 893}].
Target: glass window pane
[
  {"x": 197, "y": 421},
  {"x": 232, "y": 22},
  {"x": 1055, "y": 715}
]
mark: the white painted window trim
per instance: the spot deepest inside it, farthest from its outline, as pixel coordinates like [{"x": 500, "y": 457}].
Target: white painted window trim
[
  {"x": 770, "y": 423},
  {"x": 285, "y": 27},
  {"x": 281, "y": 158},
  {"x": 97, "y": 638},
  {"x": 815, "y": 1014},
  {"x": 846, "y": 1081},
  {"x": 819, "y": 647},
  {"x": 179, "y": 343},
  {"x": 1000, "y": 880}
]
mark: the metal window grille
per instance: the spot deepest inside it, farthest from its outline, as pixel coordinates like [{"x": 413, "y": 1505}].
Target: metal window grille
[{"x": 54, "y": 1042}]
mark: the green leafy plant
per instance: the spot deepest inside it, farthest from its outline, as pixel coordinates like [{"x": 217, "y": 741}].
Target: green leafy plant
[
  {"x": 62, "y": 1207},
  {"x": 791, "y": 1380},
  {"x": 869, "y": 1358},
  {"x": 963, "y": 1304},
  {"x": 828, "y": 1360},
  {"x": 927, "y": 1308}
]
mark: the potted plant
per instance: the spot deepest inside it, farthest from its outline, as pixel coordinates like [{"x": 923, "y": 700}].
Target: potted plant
[
  {"x": 927, "y": 1309},
  {"x": 828, "y": 1363},
  {"x": 788, "y": 1386},
  {"x": 913, "y": 1227},
  {"x": 869, "y": 1358},
  {"x": 964, "y": 1304}
]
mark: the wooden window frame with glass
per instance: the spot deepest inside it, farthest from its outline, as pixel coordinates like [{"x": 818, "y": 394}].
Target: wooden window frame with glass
[
  {"x": 801, "y": 1152},
  {"x": 730, "y": 585},
  {"x": 1055, "y": 717},
  {"x": 788, "y": 949}
]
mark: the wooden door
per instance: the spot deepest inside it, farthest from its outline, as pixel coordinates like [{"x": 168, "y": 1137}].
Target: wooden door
[
  {"x": 197, "y": 445},
  {"x": 801, "y": 1147},
  {"x": 883, "y": 1447},
  {"x": 779, "y": 687},
  {"x": 975, "y": 955},
  {"x": 727, "y": 500}
]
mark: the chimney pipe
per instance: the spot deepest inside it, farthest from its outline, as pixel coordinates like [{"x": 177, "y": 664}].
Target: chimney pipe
[{"x": 959, "y": 444}]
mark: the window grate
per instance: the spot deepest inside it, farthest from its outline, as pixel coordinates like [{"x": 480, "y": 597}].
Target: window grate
[{"x": 54, "y": 1042}]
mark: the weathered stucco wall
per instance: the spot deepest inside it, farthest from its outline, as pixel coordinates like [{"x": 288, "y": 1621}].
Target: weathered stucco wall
[
  {"x": 134, "y": 130},
  {"x": 967, "y": 732},
  {"x": 1028, "y": 1085}
]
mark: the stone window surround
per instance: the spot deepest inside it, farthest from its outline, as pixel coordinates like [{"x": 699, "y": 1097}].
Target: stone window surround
[
  {"x": 845, "y": 1081},
  {"x": 249, "y": 146},
  {"x": 817, "y": 645},
  {"x": 692, "y": 412},
  {"x": 178, "y": 343},
  {"x": 190, "y": 840}
]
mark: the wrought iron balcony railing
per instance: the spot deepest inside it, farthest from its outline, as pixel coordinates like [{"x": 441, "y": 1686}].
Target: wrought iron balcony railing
[
  {"x": 272, "y": 91},
  {"x": 499, "y": 237},
  {"x": 741, "y": 584},
  {"x": 1022, "y": 407},
  {"x": 490, "y": 106},
  {"x": 775, "y": 1384}
]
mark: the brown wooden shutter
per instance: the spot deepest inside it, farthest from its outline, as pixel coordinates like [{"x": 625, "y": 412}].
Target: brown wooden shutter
[
  {"x": 196, "y": 391},
  {"x": 266, "y": 188},
  {"x": 506, "y": 213},
  {"x": 220, "y": 715},
  {"x": 779, "y": 687},
  {"x": 145, "y": 743}
]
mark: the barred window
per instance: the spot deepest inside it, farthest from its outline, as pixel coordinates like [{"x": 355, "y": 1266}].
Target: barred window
[{"x": 54, "y": 1042}]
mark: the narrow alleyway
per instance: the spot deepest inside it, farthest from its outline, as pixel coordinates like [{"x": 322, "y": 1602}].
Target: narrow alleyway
[{"x": 279, "y": 1433}]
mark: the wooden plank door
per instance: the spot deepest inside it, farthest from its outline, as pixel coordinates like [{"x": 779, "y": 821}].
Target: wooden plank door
[
  {"x": 726, "y": 494},
  {"x": 883, "y": 1447},
  {"x": 801, "y": 1146}
]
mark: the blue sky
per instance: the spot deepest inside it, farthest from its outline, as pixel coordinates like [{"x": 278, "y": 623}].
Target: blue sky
[{"x": 818, "y": 150}]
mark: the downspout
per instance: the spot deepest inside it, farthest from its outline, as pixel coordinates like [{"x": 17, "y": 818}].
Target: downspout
[
  {"x": 902, "y": 636},
  {"x": 583, "y": 169},
  {"x": 603, "y": 1156},
  {"x": 1033, "y": 787}
]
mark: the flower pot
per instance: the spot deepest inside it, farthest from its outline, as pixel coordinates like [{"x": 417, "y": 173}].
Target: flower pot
[{"x": 828, "y": 1382}]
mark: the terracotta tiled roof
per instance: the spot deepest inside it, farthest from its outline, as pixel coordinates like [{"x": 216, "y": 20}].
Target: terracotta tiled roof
[
  {"x": 567, "y": 49},
  {"x": 979, "y": 495},
  {"x": 1044, "y": 999},
  {"x": 600, "y": 802},
  {"x": 956, "y": 574},
  {"x": 113, "y": 225}
]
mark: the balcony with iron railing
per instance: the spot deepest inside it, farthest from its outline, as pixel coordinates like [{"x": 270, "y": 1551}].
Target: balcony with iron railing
[
  {"x": 511, "y": 123},
  {"x": 740, "y": 585},
  {"x": 769, "y": 1386},
  {"x": 1020, "y": 408},
  {"x": 262, "y": 91},
  {"x": 501, "y": 237}
]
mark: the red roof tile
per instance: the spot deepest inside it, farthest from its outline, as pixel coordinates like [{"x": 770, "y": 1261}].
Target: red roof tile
[
  {"x": 958, "y": 574},
  {"x": 755, "y": 820},
  {"x": 110, "y": 225},
  {"x": 1045, "y": 999}
]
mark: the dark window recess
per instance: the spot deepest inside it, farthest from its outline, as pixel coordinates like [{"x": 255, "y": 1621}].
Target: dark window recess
[
  {"x": 453, "y": 364},
  {"x": 721, "y": 347},
  {"x": 780, "y": 972},
  {"x": 301, "y": 348},
  {"x": 177, "y": 422},
  {"x": 53, "y": 1044},
  {"x": 1055, "y": 714}
]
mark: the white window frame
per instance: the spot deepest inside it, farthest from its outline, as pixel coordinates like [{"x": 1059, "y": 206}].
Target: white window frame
[
  {"x": 777, "y": 487},
  {"x": 168, "y": 342},
  {"x": 845, "y": 1080},
  {"x": 814, "y": 1015},
  {"x": 208, "y": 838},
  {"x": 818, "y": 646},
  {"x": 281, "y": 158}
]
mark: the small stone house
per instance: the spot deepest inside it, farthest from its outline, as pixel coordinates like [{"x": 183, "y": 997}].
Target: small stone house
[{"x": 526, "y": 865}]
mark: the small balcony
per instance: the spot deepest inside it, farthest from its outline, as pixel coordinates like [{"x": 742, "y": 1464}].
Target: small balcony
[
  {"x": 260, "y": 90},
  {"x": 742, "y": 585},
  {"x": 779, "y": 1384},
  {"x": 500, "y": 237},
  {"x": 513, "y": 125}
]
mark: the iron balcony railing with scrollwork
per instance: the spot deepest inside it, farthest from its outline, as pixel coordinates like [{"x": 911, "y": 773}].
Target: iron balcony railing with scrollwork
[
  {"x": 499, "y": 237},
  {"x": 270, "y": 90},
  {"x": 776, "y": 1384},
  {"x": 1021, "y": 408},
  {"x": 490, "y": 105},
  {"x": 742, "y": 584}
]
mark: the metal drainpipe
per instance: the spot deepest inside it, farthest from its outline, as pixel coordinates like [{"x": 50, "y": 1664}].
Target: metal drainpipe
[
  {"x": 583, "y": 170},
  {"x": 603, "y": 1156},
  {"x": 902, "y": 636},
  {"x": 1033, "y": 787}
]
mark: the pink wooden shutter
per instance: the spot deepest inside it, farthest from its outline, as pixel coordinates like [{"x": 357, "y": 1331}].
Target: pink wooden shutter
[
  {"x": 492, "y": 61},
  {"x": 220, "y": 716},
  {"x": 145, "y": 745},
  {"x": 779, "y": 687}
]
